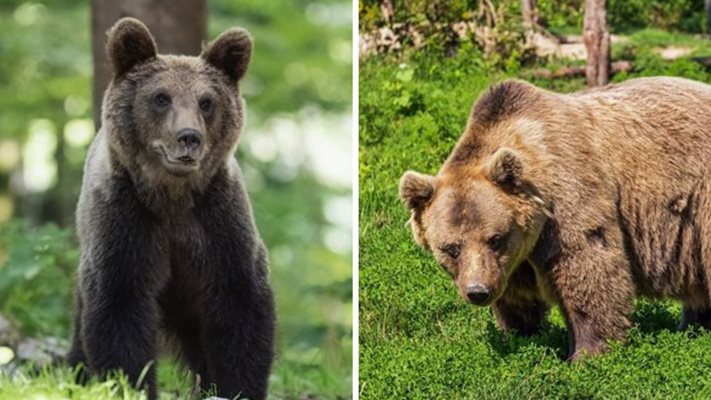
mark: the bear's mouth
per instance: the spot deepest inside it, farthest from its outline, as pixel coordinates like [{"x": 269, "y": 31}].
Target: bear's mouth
[
  {"x": 181, "y": 165},
  {"x": 182, "y": 160}
]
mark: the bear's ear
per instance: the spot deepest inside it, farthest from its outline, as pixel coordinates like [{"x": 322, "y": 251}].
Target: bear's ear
[
  {"x": 129, "y": 43},
  {"x": 416, "y": 190},
  {"x": 505, "y": 169},
  {"x": 230, "y": 52}
]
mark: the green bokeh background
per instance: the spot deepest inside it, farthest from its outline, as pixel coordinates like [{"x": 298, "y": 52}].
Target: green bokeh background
[{"x": 295, "y": 153}]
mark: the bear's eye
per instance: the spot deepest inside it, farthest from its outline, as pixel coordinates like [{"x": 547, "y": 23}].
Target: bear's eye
[
  {"x": 496, "y": 242},
  {"x": 451, "y": 250},
  {"x": 161, "y": 100},
  {"x": 206, "y": 105}
]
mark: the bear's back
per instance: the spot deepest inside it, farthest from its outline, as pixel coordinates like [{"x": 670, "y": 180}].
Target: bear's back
[{"x": 660, "y": 124}]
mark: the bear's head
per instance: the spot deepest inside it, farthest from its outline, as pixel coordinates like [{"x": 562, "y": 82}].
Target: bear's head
[
  {"x": 479, "y": 221},
  {"x": 173, "y": 118}
]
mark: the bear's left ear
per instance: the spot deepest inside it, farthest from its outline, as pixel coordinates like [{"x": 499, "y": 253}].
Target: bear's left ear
[
  {"x": 230, "y": 52},
  {"x": 505, "y": 169},
  {"x": 129, "y": 43}
]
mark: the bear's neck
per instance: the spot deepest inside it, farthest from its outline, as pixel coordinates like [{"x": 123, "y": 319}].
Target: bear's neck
[{"x": 165, "y": 194}]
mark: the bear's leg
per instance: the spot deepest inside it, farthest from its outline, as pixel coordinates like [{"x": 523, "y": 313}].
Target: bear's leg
[
  {"x": 120, "y": 332},
  {"x": 237, "y": 333},
  {"x": 521, "y": 308},
  {"x": 596, "y": 293},
  {"x": 695, "y": 317},
  {"x": 237, "y": 317},
  {"x": 121, "y": 276}
]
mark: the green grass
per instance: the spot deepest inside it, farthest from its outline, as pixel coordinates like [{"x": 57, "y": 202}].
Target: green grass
[
  {"x": 58, "y": 383},
  {"x": 418, "y": 339},
  {"x": 289, "y": 380},
  {"x": 53, "y": 382}
]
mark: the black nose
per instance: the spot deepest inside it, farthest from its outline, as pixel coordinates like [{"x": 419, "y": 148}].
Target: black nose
[
  {"x": 478, "y": 294},
  {"x": 189, "y": 138}
]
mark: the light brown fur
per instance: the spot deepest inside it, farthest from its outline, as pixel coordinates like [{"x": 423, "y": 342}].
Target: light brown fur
[{"x": 604, "y": 194}]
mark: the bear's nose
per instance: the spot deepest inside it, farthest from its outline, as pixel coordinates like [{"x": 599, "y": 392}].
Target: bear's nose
[
  {"x": 189, "y": 138},
  {"x": 478, "y": 294}
]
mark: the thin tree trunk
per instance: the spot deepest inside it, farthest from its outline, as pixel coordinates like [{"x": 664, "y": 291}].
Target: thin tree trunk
[
  {"x": 529, "y": 14},
  {"x": 597, "y": 42},
  {"x": 386, "y": 8},
  {"x": 178, "y": 27},
  {"x": 707, "y": 4}
]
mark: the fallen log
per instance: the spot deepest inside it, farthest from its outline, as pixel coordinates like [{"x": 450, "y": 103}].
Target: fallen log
[{"x": 578, "y": 71}]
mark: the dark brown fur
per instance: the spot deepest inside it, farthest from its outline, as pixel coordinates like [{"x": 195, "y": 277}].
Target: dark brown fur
[
  {"x": 169, "y": 247},
  {"x": 501, "y": 102},
  {"x": 603, "y": 193}
]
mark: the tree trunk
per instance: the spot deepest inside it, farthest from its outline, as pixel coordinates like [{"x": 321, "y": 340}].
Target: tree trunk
[
  {"x": 529, "y": 14},
  {"x": 178, "y": 27},
  {"x": 707, "y": 4},
  {"x": 597, "y": 42},
  {"x": 386, "y": 8}
]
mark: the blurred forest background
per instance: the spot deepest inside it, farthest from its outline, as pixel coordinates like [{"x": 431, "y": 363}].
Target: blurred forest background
[
  {"x": 538, "y": 39},
  {"x": 295, "y": 153},
  {"x": 422, "y": 65}
]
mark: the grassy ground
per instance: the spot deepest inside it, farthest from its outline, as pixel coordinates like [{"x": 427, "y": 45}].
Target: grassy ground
[
  {"x": 57, "y": 383},
  {"x": 287, "y": 382},
  {"x": 418, "y": 340}
]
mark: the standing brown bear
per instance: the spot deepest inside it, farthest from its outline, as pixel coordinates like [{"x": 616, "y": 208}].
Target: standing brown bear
[
  {"x": 169, "y": 248},
  {"x": 581, "y": 200}
]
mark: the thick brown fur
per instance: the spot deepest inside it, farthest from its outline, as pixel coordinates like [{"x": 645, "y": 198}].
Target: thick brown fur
[
  {"x": 169, "y": 246},
  {"x": 599, "y": 196}
]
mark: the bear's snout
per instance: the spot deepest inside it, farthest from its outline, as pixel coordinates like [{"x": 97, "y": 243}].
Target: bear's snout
[
  {"x": 189, "y": 139},
  {"x": 478, "y": 294}
]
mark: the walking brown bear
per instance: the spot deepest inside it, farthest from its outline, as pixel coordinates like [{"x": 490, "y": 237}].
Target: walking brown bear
[
  {"x": 168, "y": 243},
  {"x": 581, "y": 200}
]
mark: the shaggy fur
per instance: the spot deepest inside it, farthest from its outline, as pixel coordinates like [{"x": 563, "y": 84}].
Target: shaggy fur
[
  {"x": 582, "y": 200},
  {"x": 169, "y": 248}
]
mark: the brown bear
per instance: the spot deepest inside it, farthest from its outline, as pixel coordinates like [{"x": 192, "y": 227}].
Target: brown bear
[
  {"x": 169, "y": 248},
  {"x": 579, "y": 200}
]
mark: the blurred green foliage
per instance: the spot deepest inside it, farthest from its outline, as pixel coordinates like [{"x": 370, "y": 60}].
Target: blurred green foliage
[
  {"x": 628, "y": 15},
  {"x": 433, "y": 19},
  {"x": 298, "y": 92},
  {"x": 37, "y": 269},
  {"x": 623, "y": 15},
  {"x": 302, "y": 52},
  {"x": 414, "y": 11}
]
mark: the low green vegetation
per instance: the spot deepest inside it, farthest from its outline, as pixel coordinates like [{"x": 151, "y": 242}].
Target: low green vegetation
[
  {"x": 418, "y": 339},
  {"x": 289, "y": 381},
  {"x": 59, "y": 383}
]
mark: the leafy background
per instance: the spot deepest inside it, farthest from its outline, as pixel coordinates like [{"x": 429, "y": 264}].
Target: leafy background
[
  {"x": 295, "y": 154},
  {"x": 417, "y": 338}
]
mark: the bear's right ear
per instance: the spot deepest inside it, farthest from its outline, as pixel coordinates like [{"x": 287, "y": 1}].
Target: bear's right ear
[
  {"x": 505, "y": 169},
  {"x": 129, "y": 43},
  {"x": 230, "y": 52},
  {"x": 416, "y": 190}
]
